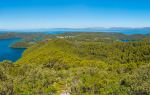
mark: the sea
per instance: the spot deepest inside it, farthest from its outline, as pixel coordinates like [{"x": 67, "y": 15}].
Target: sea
[{"x": 126, "y": 31}]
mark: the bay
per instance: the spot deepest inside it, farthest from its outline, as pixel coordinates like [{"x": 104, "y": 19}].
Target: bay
[{"x": 8, "y": 53}]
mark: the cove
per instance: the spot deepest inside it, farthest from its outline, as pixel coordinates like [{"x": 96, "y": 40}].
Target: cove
[{"x": 8, "y": 53}]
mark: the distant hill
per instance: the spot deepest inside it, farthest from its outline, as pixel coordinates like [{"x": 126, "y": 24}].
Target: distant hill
[{"x": 125, "y": 30}]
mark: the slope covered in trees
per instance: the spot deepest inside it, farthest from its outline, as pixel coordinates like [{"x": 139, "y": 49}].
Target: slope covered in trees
[
  {"x": 79, "y": 67},
  {"x": 118, "y": 52}
]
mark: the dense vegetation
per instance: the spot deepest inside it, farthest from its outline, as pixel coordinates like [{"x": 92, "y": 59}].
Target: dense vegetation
[
  {"x": 79, "y": 67},
  {"x": 104, "y": 37},
  {"x": 25, "y": 39},
  {"x": 28, "y": 39},
  {"x": 21, "y": 45}
]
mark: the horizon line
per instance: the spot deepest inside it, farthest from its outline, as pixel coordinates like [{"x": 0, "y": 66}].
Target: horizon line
[{"x": 72, "y": 28}]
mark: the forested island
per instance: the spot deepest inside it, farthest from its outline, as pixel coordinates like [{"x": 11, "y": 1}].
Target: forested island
[{"x": 78, "y": 63}]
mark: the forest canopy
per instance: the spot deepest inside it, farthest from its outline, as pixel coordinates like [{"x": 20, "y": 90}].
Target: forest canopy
[{"x": 72, "y": 64}]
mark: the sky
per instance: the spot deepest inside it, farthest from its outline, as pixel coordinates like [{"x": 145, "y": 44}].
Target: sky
[{"x": 26, "y": 14}]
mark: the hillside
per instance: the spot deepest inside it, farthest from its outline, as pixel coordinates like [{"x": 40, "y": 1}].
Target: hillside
[
  {"x": 79, "y": 68},
  {"x": 118, "y": 52}
]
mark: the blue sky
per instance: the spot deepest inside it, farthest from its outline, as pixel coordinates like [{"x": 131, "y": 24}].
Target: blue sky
[{"x": 22, "y": 14}]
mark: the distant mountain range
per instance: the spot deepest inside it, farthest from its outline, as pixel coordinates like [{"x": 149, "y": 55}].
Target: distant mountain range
[{"x": 93, "y": 29}]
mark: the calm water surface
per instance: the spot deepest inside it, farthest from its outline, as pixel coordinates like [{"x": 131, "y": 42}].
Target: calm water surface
[
  {"x": 123, "y": 31},
  {"x": 7, "y": 53}
]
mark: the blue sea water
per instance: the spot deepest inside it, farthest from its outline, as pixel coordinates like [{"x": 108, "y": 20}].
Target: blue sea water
[
  {"x": 7, "y": 53},
  {"x": 123, "y": 31},
  {"x": 129, "y": 31}
]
